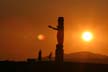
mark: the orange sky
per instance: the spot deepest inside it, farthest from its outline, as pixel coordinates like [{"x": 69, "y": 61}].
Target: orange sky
[{"x": 21, "y": 21}]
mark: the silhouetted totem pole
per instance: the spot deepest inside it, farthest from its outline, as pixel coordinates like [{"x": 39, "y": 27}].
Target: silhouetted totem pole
[{"x": 60, "y": 39}]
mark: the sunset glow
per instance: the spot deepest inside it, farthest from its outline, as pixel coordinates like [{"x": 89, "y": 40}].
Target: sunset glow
[
  {"x": 24, "y": 27},
  {"x": 87, "y": 36},
  {"x": 41, "y": 37}
]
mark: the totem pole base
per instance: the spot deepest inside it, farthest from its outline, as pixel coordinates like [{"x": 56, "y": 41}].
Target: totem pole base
[{"x": 59, "y": 54}]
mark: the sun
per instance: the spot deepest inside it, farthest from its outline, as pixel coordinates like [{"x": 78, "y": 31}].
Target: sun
[{"x": 87, "y": 36}]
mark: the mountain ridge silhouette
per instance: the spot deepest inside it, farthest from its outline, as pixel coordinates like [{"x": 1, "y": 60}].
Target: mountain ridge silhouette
[{"x": 85, "y": 56}]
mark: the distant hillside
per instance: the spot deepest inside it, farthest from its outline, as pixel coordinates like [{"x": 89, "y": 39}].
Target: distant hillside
[{"x": 87, "y": 57}]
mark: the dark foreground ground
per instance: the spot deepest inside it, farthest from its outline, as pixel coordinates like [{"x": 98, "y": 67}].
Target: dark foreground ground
[{"x": 51, "y": 67}]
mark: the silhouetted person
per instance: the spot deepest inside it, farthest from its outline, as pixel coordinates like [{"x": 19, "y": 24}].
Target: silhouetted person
[{"x": 40, "y": 55}]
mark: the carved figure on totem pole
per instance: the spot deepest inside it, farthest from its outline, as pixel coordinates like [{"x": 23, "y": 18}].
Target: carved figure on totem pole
[{"x": 60, "y": 30}]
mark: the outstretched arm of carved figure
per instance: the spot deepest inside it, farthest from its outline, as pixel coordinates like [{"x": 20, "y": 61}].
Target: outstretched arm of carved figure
[{"x": 52, "y": 27}]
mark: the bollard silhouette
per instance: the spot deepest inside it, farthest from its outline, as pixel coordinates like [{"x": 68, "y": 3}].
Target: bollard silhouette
[{"x": 40, "y": 56}]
